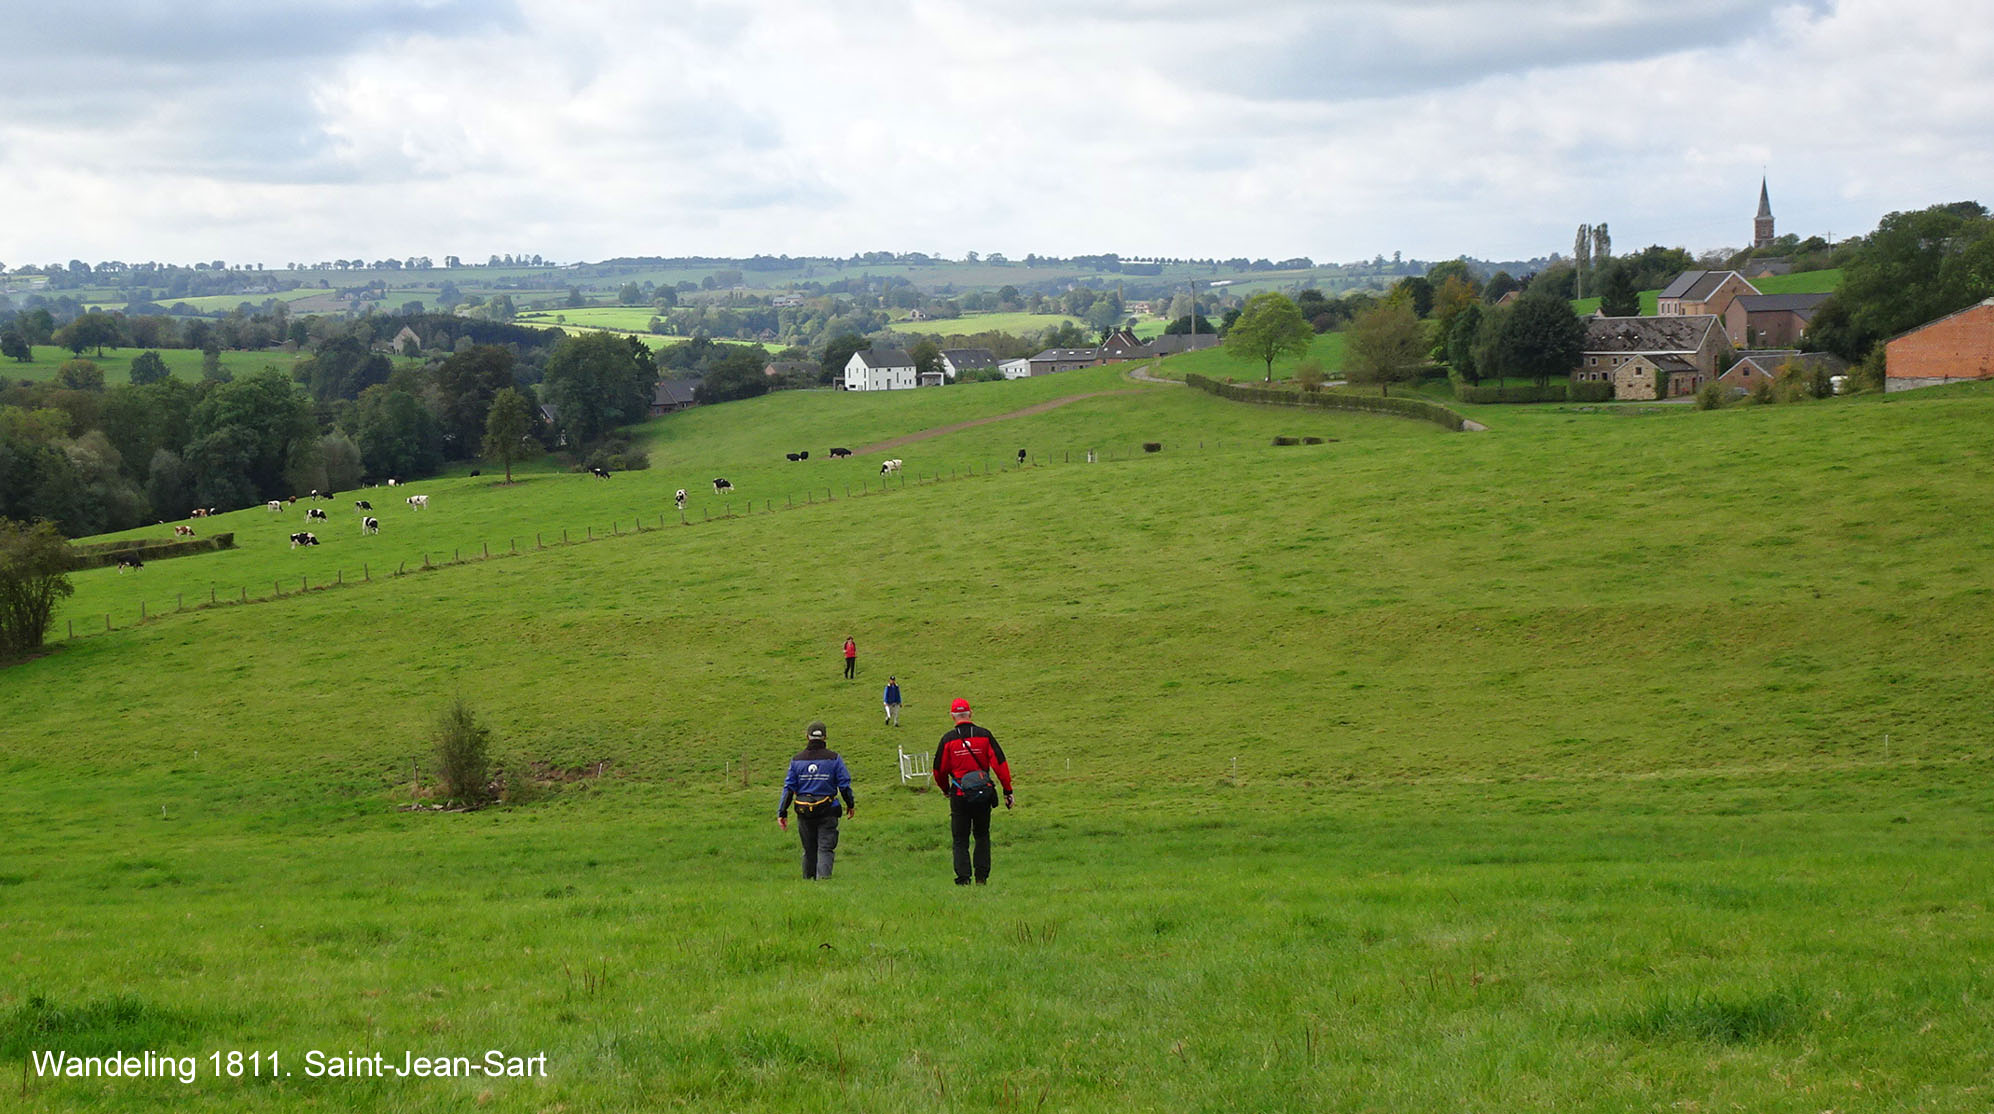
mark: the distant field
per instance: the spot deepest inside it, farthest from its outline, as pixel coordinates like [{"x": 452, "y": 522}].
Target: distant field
[
  {"x": 211, "y": 303},
  {"x": 1014, "y": 323},
  {"x": 633, "y": 319},
  {"x": 653, "y": 341},
  {"x": 184, "y": 363},
  {"x": 1218, "y": 363}
]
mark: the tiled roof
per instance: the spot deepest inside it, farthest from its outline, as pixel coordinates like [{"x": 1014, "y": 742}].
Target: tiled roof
[
  {"x": 885, "y": 357},
  {"x": 1649, "y": 334}
]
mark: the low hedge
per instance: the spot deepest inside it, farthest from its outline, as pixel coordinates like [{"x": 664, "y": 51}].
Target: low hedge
[
  {"x": 1591, "y": 391},
  {"x": 1331, "y": 400},
  {"x": 1487, "y": 394},
  {"x": 98, "y": 555}
]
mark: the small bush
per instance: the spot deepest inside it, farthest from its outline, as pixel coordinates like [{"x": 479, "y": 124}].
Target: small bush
[
  {"x": 1152, "y": 446},
  {"x": 463, "y": 755},
  {"x": 1287, "y": 441},
  {"x": 1590, "y": 391},
  {"x": 1713, "y": 396},
  {"x": 1311, "y": 440}
]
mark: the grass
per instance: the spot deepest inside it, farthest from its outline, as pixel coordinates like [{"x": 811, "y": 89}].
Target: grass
[
  {"x": 184, "y": 363},
  {"x": 1219, "y": 363},
  {"x": 1015, "y": 323},
  {"x": 222, "y": 303},
  {"x": 1537, "y": 769},
  {"x": 629, "y": 319}
]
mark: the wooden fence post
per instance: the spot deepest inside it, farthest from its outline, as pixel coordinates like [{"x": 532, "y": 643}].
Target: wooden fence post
[{"x": 365, "y": 572}]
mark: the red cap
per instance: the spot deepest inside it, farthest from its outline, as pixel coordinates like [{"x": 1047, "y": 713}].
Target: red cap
[{"x": 959, "y": 707}]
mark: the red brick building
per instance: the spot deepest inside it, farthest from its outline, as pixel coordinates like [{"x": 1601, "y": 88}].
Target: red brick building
[{"x": 1956, "y": 347}]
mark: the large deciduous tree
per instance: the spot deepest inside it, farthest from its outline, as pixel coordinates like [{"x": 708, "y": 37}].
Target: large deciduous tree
[
  {"x": 1387, "y": 345},
  {"x": 1914, "y": 268},
  {"x": 1540, "y": 337},
  {"x": 597, "y": 382},
  {"x": 1617, "y": 296},
  {"x": 508, "y": 421},
  {"x": 1269, "y": 327},
  {"x": 148, "y": 367},
  {"x": 466, "y": 385}
]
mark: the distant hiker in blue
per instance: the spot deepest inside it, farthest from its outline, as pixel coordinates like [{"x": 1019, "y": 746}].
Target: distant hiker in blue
[
  {"x": 817, "y": 778},
  {"x": 893, "y": 701}
]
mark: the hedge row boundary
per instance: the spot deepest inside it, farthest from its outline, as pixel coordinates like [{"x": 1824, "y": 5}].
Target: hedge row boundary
[
  {"x": 1416, "y": 408},
  {"x": 98, "y": 555}
]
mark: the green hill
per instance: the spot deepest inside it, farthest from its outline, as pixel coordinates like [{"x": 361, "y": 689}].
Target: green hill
[{"x": 1601, "y": 761}]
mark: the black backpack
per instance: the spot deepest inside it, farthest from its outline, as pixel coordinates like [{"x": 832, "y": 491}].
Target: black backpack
[{"x": 977, "y": 787}]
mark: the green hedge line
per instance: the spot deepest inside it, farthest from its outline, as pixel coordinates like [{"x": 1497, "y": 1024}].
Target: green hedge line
[
  {"x": 98, "y": 555},
  {"x": 1487, "y": 394},
  {"x": 1331, "y": 400}
]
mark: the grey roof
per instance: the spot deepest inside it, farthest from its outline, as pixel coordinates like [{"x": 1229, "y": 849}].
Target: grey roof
[
  {"x": 1066, "y": 355},
  {"x": 1682, "y": 284},
  {"x": 1803, "y": 304},
  {"x": 1649, "y": 334},
  {"x": 1173, "y": 343},
  {"x": 674, "y": 392},
  {"x": 885, "y": 357},
  {"x": 1768, "y": 363},
  {"x": 965, "y": 359}
]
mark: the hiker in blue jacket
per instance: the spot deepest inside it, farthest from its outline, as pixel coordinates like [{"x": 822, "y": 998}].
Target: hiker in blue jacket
[
  {"x": 817, "y": 778},
  {"x": 892, "y": 699}
]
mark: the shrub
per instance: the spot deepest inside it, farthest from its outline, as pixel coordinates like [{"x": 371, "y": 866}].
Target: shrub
[
  {"x": 1311, "y": 440},
  {"x": 1590, "y": 391},
  {"x": 1286, "y": 441},
  {"x": 1713, "y": 396},
  {"x": 34, "y": 566},
  {"x": 1152, "y": 446},
  {"x": 463, "y": 755}
]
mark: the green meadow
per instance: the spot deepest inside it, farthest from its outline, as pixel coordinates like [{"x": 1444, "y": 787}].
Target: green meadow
[
  {"x": 1018, "y": 323},
  {"x": 1598, "y": 762},
  {"x": 633, "y": 319},
  {"x": 184, "y": 363}
]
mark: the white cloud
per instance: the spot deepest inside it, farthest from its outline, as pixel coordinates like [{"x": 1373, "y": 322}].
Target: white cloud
[{"x": 1340, "y": 130}]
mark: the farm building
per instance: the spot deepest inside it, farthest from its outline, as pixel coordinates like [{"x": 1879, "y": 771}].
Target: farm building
[
  {"x": 1679, "y": 353},
  {"x": 955, "y": 361},
  {"x": 886, "y": 369},
  {"x": 1702, "y": 292},
  {"x": 1956, "y": 347},
  {"x": 1755, "y": 368},
  {"x": 1769, "y": 320},
  {"x": 1064, "y": 359},
  {"x": 672, "y": 394},
  {"x": 1020, "y": 368}
]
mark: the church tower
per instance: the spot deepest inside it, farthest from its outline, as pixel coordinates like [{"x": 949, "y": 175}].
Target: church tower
[{"x": 1762, "y": 236}]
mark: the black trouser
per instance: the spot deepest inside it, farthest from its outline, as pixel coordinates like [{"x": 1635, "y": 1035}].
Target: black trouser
[
  {"x": 820, "y": 842},
  {"x": 966, "y": 820},
  {"x": 850, "y": 664}
]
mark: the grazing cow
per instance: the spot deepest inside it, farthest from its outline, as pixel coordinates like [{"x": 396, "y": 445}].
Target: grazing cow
[
  {"x": 276, "y": 506},
  {"x": 314, "y": 513},
  {"x": 183, "y": 531},
  {"x": 418, "y": 502},
  {"x": 391, "y": 481},
  {"x": 889, "y": 467},
  {"x": 1021, "y": 457},
  {"x": 370, "y": 525},
  {"x": 680, "y": 498},
  {"x": 362, "y": 505},
  {"x": 129, "y": 563},
  {"x": 840, "y": 454},
  {"x": 292, "y": 500},
  {"x": 792, "y": 457},
  {"x": 722, "y": 487},
  {"x": 197, "y": 512},
  {"x": 303, "y": 539},
  {"x": 804, "y": 455},
  {"x": 599, "y": 473},
  {"x": 475, "y": 473}
]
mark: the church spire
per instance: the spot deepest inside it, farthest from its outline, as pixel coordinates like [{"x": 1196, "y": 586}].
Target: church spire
[
  {"x": 1765, "y": 202},
  {"x": 1762, "y": 234}
]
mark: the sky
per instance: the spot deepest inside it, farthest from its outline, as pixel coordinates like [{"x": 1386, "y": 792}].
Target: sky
[{"x": 276, "y": 131}]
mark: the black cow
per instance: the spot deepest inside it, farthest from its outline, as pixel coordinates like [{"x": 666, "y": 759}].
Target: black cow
[
  {"x": 792, "y": 457},
  {"x": 303, "y": 539},
  {"x": 840, "y": 454},
  {"x": 722, "y": 487},
  {"x": 475, "y": 473},
  {"x": 1021, "y": 456},
  {"x": 362, "y": 505}
]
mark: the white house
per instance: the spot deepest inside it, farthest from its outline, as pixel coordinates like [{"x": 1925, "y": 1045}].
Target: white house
[
  {"x": 1020, "y": 368},
  {"x": 886, "y": 369}
]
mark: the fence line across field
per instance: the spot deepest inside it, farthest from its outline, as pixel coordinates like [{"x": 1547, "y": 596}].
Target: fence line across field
[{"x": 886, "y": 485}]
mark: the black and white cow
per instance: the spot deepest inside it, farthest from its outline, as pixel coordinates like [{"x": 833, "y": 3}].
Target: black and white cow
[
  {"x": 889, "y": 467},
  {"x": 312, "y": 513},
  {"x": 370, "y": 525},
  {"x": 129, "y": 562},
  {"x": 680, "y": 498},
  {"x": 792, "y": 457},
  {"x": 418, "y": 502},
  {"x": 722, "y": 487},
  {"x": 362, "y": 505},
  {"x": 303, "y": 539},
  {"x": 840, "y": 454},
  {"x": 1021, "y": 457},
  {"x": 599, "y": 473}
]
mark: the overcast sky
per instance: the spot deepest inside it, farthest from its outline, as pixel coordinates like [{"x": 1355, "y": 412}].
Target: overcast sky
[{"x": 275, "y": 131}]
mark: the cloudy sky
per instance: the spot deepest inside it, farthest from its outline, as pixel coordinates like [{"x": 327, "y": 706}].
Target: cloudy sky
[{"x": 272, "y": 131}]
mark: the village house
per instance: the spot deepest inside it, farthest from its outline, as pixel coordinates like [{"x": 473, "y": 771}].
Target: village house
[
  {"x": 955, "y": 361},
  {"x": 1702, "y": 292},
  {"x": 1054, "y": 360},
  {"x": 1020, "y": 368},
  {"x": 673, "y": 394},
  {"x": 1755, "y": 368},
  {"x": 1769, "y": 320},
  {"x": 886, "y": 369},
  {"x": 1664, "y": 357},
  {"x": 1952, "y": 349}
]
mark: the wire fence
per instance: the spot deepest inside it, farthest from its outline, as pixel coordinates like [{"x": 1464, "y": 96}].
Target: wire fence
[{"x": 867, "y": 486}]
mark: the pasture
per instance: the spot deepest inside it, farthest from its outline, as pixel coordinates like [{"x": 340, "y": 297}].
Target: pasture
[
  {"x": 1598, "y": 762},
  {"x": 184, "y": 363},
  {"x": 970, "y": 323}
]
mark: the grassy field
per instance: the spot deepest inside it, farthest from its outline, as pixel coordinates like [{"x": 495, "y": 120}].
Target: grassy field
[
  {"x": 1805, "y": 282},
  {"x": 1017, "y": 323},
  {"x": 184, "y": 363},
  {"x": 1218, "y": 363},
  {"x": 631, "y": 319},
  {"x": 1599, "y": 762},
  {"x": 212, "y": 303}
]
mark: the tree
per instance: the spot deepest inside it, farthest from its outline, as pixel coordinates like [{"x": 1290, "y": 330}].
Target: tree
[
  {"x": 241, "y": 436},
  {"x": 1500, "y": 283},
  {"x": 927, "y": 356},
  {"x": 507, "y": 424},
  {"x": 596, "y": 382},
  {"x": 79, "y": 375},
  {"x": 631, "y": 294},
  {"x": 1538, "y": 338},
  {"x": 1462, "y": 341},
  {"x": 1617, "y": 296},
  {"x": 1418, "y": 294},
  {"x": 839, "y": 351},
  {"x": 1914, "y": 268},
  {"x": 34, "y": 566},
  {"x": 1386, "y": 345},
  {"x": 14, "y": 343},
  {"x": 734, "y": 375},
  {"x": 1581, "y": 259},
  {"x": 1269, "y": 327},
  {"x": 149, "y": 367},
  {"x": 396, "y": 434},
  {"x": 95, "y": 329},
  {"x": 1309, "y": 376},
  {"x": 466, "y": 384}
]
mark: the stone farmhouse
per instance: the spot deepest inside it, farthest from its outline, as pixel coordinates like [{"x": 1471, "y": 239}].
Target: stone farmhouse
[
  {"x": 1054, "y": 360},
  {"x": 673, "y": 394},
  {"x": 1769, "y": 320},
  {"x": 1763, "y": 366},
  {"x": 1652, "y": 357},
  {"x": 1952, "y": 349},
  {"x": 885, "y": 369},
  {"x": 1702, "y": 292}
]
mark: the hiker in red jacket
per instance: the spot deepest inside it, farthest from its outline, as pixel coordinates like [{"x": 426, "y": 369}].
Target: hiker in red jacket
[
  {"x": 851, "y": 656},
  {"x": 968, "y": 766}
]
